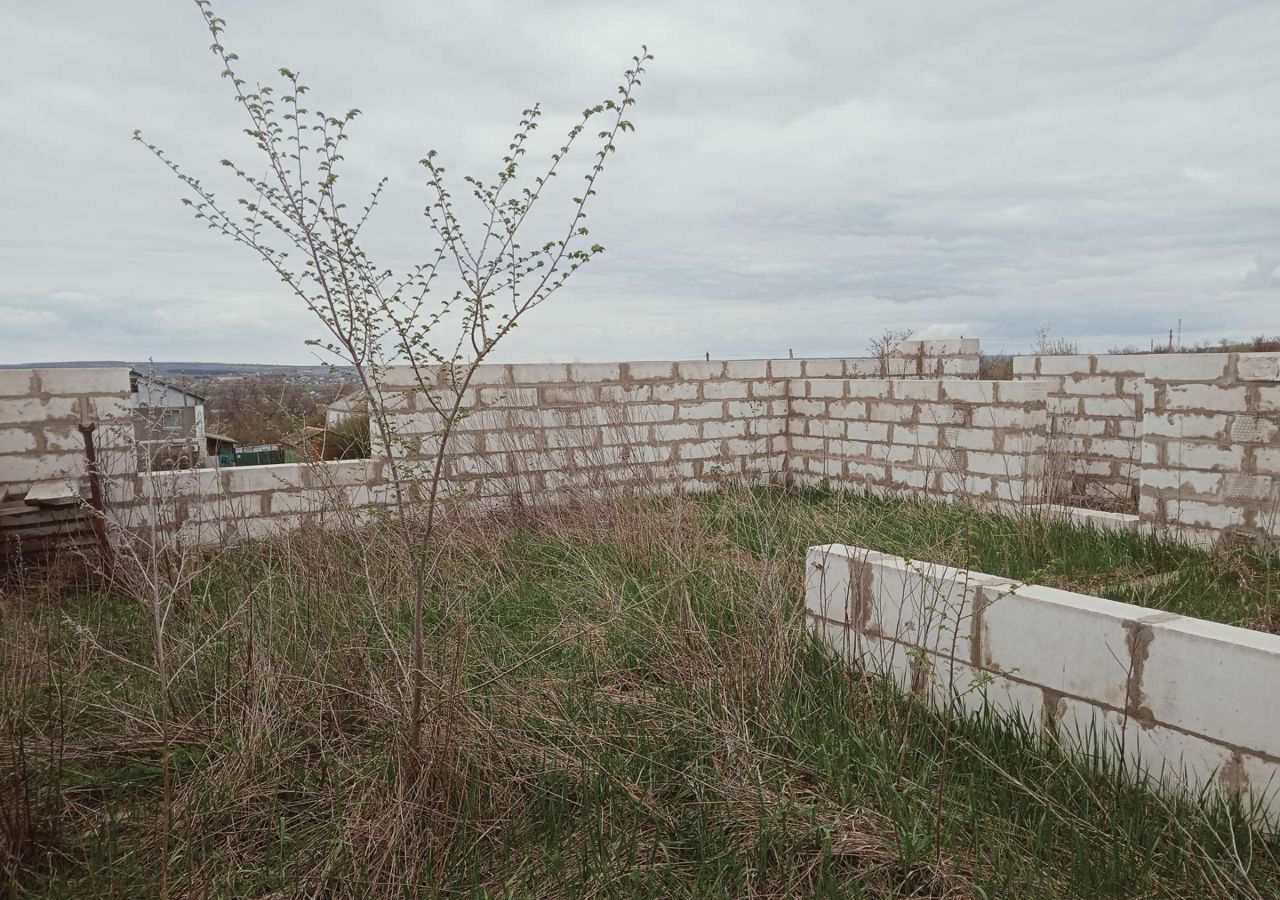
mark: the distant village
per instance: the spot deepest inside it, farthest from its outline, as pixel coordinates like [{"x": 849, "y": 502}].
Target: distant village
[{"x": 204, "y": 416}]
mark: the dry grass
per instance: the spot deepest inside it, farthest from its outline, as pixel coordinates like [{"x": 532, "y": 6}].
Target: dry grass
[{"x": 621, "y": 702}]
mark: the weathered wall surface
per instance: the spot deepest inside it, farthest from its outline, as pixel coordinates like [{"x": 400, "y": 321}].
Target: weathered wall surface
[
  {"x": 1191, "y": 438},
  {"x": 1095, "y": 424},
  {"x": 1211, "y": 445},
  {"x": 981, "y": 440},
  {"x": 39, "y": 413},
  {"x": 533, "y": 430},
  {"x": 205, "y": 507},
  {"x": 1203, "y": 428},
  {"x": 1187, "y": 700}
]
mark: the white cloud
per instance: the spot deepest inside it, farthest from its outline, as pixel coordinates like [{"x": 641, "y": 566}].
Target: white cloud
[{"x": 804, "y": 175}]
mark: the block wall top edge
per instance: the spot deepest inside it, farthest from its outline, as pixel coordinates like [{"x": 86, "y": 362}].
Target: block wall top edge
[
  {"x": 938, "y": 572},
  {"x": 1185, "y": 366},
  {"x": 1221, "y": 632},
  {"x": 848, "y": 551},
  {"x": 935, "y": 347},
  {"x": 1030, "y": 386},
  {"x": 96, "y": 370},
  {"x": 1085, "y": 602},
  {"x": 913, "y": 566},
  {"x": 958, "y": 343},
  {"x": 72, "y": 380}
]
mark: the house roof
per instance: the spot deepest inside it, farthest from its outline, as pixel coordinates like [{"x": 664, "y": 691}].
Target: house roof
[
  {"x": 135, "y": 376},
  {"x": 221, "y": 438}
]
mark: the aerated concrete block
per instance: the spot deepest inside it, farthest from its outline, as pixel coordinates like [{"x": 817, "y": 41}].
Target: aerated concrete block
[
  {"x": 1205, "y": 396},
  {"x": 746, "y": 368},
  {"x": 648, "y": 371},
  {"x": 546, "y": 373},
  {"x": 922, "y": 604},
  {"x": 1185, "y": 425},
  {"x": 829, "y": 590},
  {"x": 1185, "y": 366},
  {"x": 823, "y": 368},
  {"x": 593, "y": 373},
  {"x": 917, "y": 390},
  {"x": 1173, "y": 759},
  {"x": 76, "y": 381},
  {"x": 18, "y": 382},
  {"x": 1216, "y": 680},
  {"x": 700, "y": 371},
  {"x": 16, "y": 440},
  {"x": 1070, "y": 643},
  {"x": 246, "y": 479},
  {"x": 1258, "y": 366},
  {"x": 1197, "y": 514}
]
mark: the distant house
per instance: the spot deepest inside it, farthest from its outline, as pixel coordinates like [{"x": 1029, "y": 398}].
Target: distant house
[{"x": 168, "y": 423}]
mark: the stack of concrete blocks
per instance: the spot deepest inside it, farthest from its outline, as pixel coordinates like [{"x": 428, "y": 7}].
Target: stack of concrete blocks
[
  {"x": 1211, "y": 446},
  {"x": 981, "y": 441},
  {"x": 1187, "y": 701},
  {"x": 1095, "y": 425},
  {"x": 40, "y": 411}
]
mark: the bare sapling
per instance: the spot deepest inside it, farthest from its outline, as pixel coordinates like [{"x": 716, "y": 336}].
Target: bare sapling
[{"x": 435, "y": 323}]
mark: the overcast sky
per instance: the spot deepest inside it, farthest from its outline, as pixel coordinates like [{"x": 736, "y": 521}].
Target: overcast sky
[{"x": 803, "y": 175}]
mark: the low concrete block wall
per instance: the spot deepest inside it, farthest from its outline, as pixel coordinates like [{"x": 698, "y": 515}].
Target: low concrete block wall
[
  {"x": 206, "y": 507},
  {"x": 1188, "y": 701}
]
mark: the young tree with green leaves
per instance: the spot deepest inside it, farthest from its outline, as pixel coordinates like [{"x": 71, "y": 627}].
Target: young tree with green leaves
[{"x": 441, "y": 318}]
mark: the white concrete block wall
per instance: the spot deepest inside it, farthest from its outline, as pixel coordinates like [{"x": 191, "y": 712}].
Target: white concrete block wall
[
  {"x": 1211, "y": 441},
  {"x": 955, "y": 358},
  {"x": 537, "y": 430},
  {"x": 980, "y": 440},
  {"x": 1209, "y": 458},
  {"x": 203, "y": 507},
  {"x": 1094, "y": 434},
  {"x": 1189, "y": 701},
  {"x": 1193, "y": 438},
  {"x": 40, "y": 410}
]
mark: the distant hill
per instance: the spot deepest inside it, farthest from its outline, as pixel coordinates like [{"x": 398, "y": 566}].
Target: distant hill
[{"x": 191, "y": 369}]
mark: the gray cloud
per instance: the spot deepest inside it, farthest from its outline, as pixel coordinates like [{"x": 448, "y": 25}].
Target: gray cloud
[{"x": 804, "y": 175}]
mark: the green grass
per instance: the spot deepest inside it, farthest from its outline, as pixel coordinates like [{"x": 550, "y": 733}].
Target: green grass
[
  {"x": 623, "y": 703},
  {"x": 1240, "y": 586}
]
